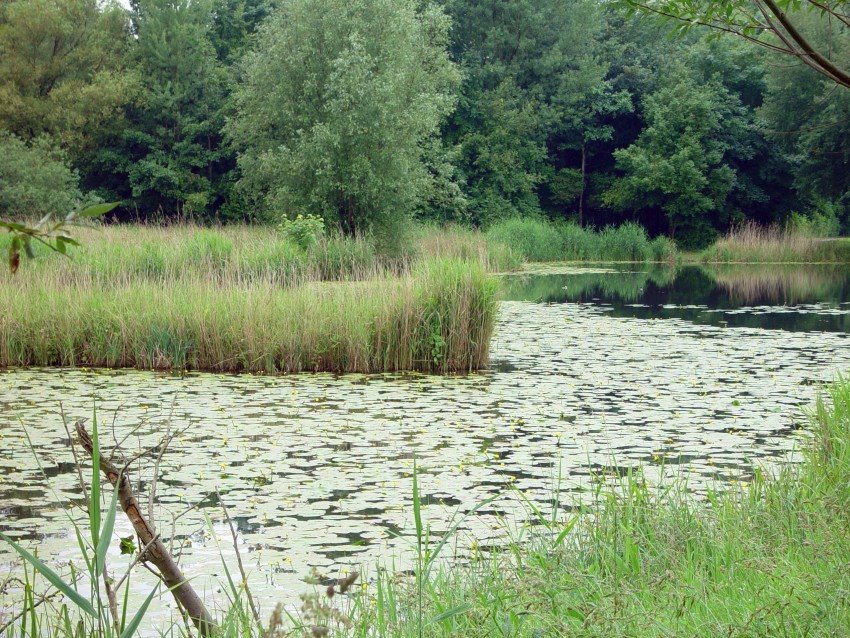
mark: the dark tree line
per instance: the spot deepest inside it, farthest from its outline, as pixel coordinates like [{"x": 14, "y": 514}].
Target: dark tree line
[{"x": 371, "y": 112}]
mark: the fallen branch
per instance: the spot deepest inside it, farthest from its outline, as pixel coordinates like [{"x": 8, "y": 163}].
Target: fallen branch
[{"x": 156, "y": 551}]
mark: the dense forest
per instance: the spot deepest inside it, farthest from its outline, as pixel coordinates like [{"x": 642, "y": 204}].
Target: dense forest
[{"x": 371, "y": 113}]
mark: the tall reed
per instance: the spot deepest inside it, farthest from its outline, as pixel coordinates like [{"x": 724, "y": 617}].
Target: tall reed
[
  {"x": 436, "y": 318},
  {"x": 753, "y": 243}
]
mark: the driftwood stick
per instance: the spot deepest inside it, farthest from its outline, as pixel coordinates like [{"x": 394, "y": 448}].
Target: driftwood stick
[{"x": 157, "y": 553}]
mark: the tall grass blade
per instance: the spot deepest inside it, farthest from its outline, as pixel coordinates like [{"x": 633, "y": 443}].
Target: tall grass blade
[
  {"x": 451, "y": 613},
  {"x": 136, "y": 620},
  {"x": 106, "y": 533},
  {"x": 52, "y": 577},
  {"x": 94, "y": 496}
]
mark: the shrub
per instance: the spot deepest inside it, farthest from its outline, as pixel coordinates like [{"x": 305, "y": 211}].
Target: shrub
[
  {"x": 35, "y": 179},
  {"x": 304, "y": 231}
]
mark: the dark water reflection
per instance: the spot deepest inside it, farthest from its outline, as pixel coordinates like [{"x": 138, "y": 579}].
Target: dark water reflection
[{"x": 772, "y": 297}]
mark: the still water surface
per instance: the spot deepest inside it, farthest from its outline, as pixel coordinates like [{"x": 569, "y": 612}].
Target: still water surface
[{"x": 593, "y": 371}]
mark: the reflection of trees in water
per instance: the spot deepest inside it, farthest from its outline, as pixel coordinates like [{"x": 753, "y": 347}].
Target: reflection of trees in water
[
  {"x": 778, "y": 285},
  {"x": 625, "y": 286}
]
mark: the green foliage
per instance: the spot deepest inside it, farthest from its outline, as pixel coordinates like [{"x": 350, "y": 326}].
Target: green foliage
[
  {"x": 338, "y": 101},
  {"x": 304, "y": 231},
  {"x": 539, "y": 240},
  {"x": 536, "y": 240},
  {"x": 171, "y": 149},
  {"x": 678, "y": 163},
  {"x": 35, "y": 179},
  {"x": 62, "y": 69}
]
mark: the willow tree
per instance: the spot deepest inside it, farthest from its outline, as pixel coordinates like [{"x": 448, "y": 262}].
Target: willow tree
[
  {"x": 337, "y": 103},
  {"x": 778, "y": 25}
]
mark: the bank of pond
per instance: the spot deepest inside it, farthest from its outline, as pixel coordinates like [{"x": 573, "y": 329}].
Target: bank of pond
[{"x": 256, "y": 299}]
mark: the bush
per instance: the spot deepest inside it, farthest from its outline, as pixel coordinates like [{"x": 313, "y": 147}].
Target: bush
[
  {"x": 35, "y": 179},
  {"x": 304, "y": 231},
  {"x": 625, "y": 243}
]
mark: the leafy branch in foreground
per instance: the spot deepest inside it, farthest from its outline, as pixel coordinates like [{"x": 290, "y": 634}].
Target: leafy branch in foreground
[
  {"x": 53, "y": 233},
  {"x": 777, "y": 25}
]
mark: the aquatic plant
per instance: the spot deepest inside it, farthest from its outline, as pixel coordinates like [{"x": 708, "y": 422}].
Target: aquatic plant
[
  {"x": 540, "y": 240},
  {"x": 763, "y": 558}
]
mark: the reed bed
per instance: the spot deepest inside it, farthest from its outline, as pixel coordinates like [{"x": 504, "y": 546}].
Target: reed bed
[
  {"x": 752, "y": 243},
  {"x": 438, "y": 317},
  {"x": 789, "y": 285},
  {"x": 539, "y": 240}
]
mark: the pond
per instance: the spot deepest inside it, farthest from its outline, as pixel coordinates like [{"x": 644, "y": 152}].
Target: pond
[{"x": 692, "y": 373}]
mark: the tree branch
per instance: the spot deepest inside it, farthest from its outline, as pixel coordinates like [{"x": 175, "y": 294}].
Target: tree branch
[{"x": 156, "y": 551}]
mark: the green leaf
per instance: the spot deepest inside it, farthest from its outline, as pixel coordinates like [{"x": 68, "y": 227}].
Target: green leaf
[
  {"x": 94, "y": 496},
  {"x": 127, "y": 545},
  {"x": 450, "y": 613},
  {"x": 98, "y": 210},
  {"x": 52, "y": 577},
  {"x": 106, "y": 534},
  {"x": 136, "y": 620}
]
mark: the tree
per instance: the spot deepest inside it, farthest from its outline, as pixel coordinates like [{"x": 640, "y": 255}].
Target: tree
[
  {"x": 529, "y": 66},
  {"x": 339, "y": 101},
  {"x": 808, "y": 119},
  {"x": 778, "y": 25},
  {"x": 61, "y": 69},
  {"x": 171, "y": 151},
  {"x": 679, "y": 163}
]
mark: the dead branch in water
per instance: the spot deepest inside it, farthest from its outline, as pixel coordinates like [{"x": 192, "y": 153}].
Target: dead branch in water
[{"x": 156, "y": 552}]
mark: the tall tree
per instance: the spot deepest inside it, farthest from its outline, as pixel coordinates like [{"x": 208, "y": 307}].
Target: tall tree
[
  {"x": 170, "y": 157},
  {"x": 61, "y": 69},
  {"x": 340, "y": 99},
  {"x": 532, "y": 73},
  {"x": 679, "y": 164}
]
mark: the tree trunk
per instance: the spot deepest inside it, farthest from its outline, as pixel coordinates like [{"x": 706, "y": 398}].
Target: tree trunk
[{"x": 583, "y": 184}]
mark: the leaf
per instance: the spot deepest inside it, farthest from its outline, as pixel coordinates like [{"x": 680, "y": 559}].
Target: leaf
[
  {"x": 106, "y": 534},
  {"x": 98, "y": 210},
  {"x": 127, "y": 545},
  {"x": 15, "y": 254},
  {"x": 94, "y": 496},
  {"x": 450, "y": 613},
  {"x": 136, "y": 620},
  {"x": 52, "y": 577}
]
